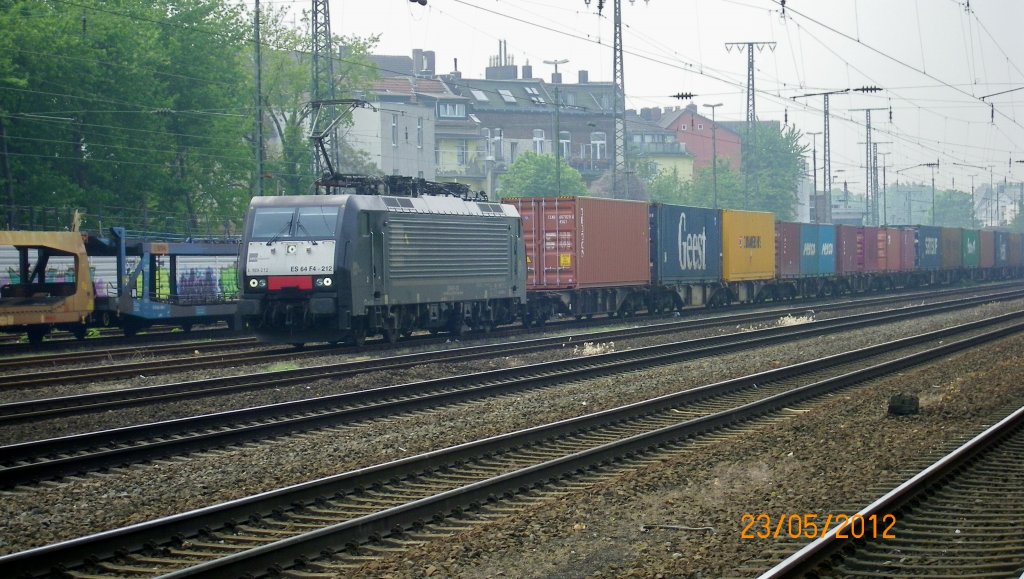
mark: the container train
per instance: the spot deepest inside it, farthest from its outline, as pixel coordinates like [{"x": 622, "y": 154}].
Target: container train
[
  {"x": 343, "y": 267},
  {"x": 66, "y": 280}
]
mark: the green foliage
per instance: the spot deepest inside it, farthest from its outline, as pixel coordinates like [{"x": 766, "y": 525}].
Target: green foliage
[
  {"x": 953, "y": 209},
  {"x": 773, "y": 171},
  {"x": 148, "y": 107},
  {"x": 668, "y": 187},
  {"x": 534, "y": 175}
]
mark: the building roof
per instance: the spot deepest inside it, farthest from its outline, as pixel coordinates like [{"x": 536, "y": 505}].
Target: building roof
[
  {"x": 528, "y": 95},
  {"x": 410, "y": 86},
  {"x": 391, "y": 65}
]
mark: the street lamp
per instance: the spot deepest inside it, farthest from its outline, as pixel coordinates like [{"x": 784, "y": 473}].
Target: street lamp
[
  {"x": 558, "y": 127},
  {"x": 714, "y": 155}
]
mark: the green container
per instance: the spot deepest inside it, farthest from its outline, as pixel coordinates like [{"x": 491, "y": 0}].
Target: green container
[{"x": 971, "y": 246}]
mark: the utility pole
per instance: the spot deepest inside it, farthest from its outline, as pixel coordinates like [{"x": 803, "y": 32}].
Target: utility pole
[
  {"x": 323, "y": 82},
  {"x": 558, "y": 125},
  {"x": 871, "y": 182},
  {"x": 814, "y": 172},
  {"x": 885, "y": 194},
  {"x": 827, "y": 145},
  {"x": 749, "y": 143},
  {"x": 619, "y": 160},
  {"x": 714, "y": 155},
  {"x": 259, "y": 102}
]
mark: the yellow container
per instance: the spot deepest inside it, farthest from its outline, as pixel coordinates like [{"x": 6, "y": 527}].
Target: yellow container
[{"x": 748, "y": 245}]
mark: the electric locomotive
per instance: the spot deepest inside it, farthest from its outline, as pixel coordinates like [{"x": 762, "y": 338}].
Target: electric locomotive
[{"x": 333, "y": 268}]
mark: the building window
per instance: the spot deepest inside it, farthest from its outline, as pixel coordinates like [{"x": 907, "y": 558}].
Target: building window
[
  {"x": 538, "y": 141},
  {"x": 700, "y": 127},
  {"x": 451, "y": 110},
  {"x": 460, "y": 153},
  {"x": 598, "y": 145},
  {"x": 513, "y": 148},
  {"x": 394, "y": 130},
  {"x": 682, "y": 128},
  {"x": 419, "y": 174},
  {"x": 565, "y": 141},
  {"x": 419, "y": 132},
  {"x": 570, "y": 99}
]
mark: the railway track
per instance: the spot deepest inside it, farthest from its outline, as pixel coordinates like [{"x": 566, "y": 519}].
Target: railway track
[
  {"x": 328, "y": 526},
  {"x": 45, "y": 459},
  {"x": 43, "y": 369},
  {"x": 961, "y": 516},
  {"x": 111, "y": 400}
]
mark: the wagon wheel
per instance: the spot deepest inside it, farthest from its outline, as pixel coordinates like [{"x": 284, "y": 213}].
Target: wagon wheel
[
  {"x": 80, "y": 331},
  {"x": 35, "y": 335}
]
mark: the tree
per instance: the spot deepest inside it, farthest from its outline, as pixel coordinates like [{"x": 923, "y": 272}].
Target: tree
[
  {"x": 953, "y": 209},
  {"x": 701, "y": 191},
  {"x": 534, "y": 175},
  {"x": 774, "y": 171},
  {"x": 131, "y": 104},
  {"x": 668, "y": 187},
  {"x": 634, "y": 187},
  {"x": 286, "y": 85}
]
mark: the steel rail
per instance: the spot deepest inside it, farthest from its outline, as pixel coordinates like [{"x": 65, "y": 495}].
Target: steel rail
[
  {"x": 301, "y": 547},
  {"x": 36, "y": 409},
  {"x": 814, "y": 554},
  {"x": 28, "y": 461},
  {"x": 39, "y": 376}
]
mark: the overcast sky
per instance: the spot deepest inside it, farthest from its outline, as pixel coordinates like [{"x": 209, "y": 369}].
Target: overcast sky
[{"x": 933, "y": 58}]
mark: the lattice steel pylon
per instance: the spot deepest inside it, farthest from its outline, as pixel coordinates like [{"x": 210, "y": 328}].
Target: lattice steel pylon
[
  {"x": 619, "y": 155},
  {"x": 322, "y": 88},
  {"x": 620, "y": 182},
  {"x": 749, "y": 143}
]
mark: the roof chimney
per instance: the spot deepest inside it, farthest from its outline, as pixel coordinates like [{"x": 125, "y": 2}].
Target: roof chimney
[
  {"x": 527, "y": 71},
  {"x": 584, "y": 77},
  {"x": 556, "y": 78}
]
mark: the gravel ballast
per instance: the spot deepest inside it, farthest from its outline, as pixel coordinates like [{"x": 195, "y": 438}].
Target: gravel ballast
[{"x": 49, "y": 513}]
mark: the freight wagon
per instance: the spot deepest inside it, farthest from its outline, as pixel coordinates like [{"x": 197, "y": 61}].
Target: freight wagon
[
  {"x": 68, "y": 281},
  {"x": 584, "y": 256}
]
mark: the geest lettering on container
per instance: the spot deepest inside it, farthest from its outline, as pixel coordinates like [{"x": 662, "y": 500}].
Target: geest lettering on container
[{"x": 692, "y": 247}]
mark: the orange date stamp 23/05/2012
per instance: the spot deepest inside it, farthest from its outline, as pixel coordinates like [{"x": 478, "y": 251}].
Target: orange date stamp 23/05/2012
[{"x": 812, "y": 526}]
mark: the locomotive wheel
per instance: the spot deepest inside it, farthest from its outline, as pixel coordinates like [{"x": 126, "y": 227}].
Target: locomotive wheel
[{"x": 358, "y": 337}]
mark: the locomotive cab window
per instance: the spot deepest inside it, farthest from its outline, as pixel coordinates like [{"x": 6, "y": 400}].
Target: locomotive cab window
[
  {"x": 270, "y": 222},
  {"x": 318, "y": 222}
]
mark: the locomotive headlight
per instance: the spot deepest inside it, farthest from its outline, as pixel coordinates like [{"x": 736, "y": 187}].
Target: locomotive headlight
[
  {"x": 327, "y": 282},
  {"x": 254, "y": 283}
]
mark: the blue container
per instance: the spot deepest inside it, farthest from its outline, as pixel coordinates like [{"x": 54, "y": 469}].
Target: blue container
[
  {"x": 927, "y": 248},
  {"x": 808, "y": 250},
  {"x": 826, "y": 250},
  {"x": 686, "y": 244},
  {"x": 1002, "y": 248}
]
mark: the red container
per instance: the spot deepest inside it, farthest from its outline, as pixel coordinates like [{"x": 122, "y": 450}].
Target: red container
[
  {"x": 581, "y": 242},
  {"x": 1015, "y": 250},
  {"x": 988, "y": 247},
  {"x": 849, "y": 249},
  {"x": 787, "y": 249},
  {"x": 896, "y": 249},
  {"x": 874, "y": 252},
  {"x": 951, "y": 247}
]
